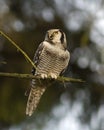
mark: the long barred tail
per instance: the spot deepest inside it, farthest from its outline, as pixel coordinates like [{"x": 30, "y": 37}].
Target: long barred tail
[{"x": 34, "y": 98}]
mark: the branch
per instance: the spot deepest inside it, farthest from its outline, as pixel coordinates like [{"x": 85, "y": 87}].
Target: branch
[
  {"x": 18, "y": 48},
  {"x": 30, "y": 76}
]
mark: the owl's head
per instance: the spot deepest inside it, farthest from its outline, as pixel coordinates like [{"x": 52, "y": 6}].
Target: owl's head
[{"x": 56, "y": 36}]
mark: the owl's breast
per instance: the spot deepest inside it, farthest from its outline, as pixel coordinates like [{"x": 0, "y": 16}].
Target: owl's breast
[
  {"x": 52, "y": 60},
  {"x": 51, "y": 63}
]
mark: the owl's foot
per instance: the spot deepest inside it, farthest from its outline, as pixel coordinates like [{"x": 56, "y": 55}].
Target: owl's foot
[
  {"x": 43, "y": 76},
  {"x": 53, "y": 76}
]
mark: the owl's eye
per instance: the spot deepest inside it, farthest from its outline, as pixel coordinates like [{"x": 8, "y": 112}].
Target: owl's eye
[
  {"x": 55, "y": 33},
  {"x": 51, "y": 37}
]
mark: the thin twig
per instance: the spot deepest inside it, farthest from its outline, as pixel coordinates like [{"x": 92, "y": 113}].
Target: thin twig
[{"x": 18, "y": 48}]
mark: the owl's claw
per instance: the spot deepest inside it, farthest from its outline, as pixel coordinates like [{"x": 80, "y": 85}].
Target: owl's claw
[
  {"x": 53, "y": 76},
  {"x": 43, "y": 76}
]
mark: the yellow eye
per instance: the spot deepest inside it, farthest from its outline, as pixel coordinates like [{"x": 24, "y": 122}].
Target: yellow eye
[
  {"x": 55, "y": 33},
  {"x": 51, "y": 37}
]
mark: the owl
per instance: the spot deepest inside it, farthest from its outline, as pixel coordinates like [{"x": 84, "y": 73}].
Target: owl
[{"x": 51, "y": 60}]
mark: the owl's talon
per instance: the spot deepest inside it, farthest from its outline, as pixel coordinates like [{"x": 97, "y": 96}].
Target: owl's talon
[
  {"x": 43, "y": 76},
  {"x": 53, "y": 76}
]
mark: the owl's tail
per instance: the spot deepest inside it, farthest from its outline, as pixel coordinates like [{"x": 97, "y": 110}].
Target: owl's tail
[{"x": 34, "y": 98}]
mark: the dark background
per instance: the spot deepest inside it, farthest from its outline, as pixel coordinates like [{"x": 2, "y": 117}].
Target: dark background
[{"x": 74, "y": 106}]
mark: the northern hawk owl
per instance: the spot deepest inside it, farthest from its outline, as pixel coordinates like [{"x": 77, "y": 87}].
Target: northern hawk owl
[{"x": 51, "y": 59}]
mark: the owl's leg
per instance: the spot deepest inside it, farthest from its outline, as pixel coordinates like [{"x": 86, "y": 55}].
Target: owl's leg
[{"x": 52, "y": 75}]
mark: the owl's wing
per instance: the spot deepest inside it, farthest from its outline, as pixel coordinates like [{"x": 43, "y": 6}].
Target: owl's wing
[
  {"x": 37, "y": 57},
  {"x": 67, "y": 59},
  {"x": 62, "y": 72},
  {"x": 36, "y": 60}
]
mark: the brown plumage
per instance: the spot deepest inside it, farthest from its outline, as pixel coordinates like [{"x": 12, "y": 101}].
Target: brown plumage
[
  {"x": 34, "y": 98},
  {"x": 51, "y": 58}
]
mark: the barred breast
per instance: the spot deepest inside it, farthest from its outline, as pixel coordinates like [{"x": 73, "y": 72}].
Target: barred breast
[{"x": 53, "y": 60}]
